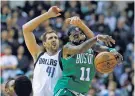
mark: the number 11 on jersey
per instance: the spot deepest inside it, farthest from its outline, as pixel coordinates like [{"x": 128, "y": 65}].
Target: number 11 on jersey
[{"x": 87, "y": 78}]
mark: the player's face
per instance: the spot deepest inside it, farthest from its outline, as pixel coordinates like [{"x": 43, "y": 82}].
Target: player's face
[
  {"x": 52, "y": 42},
  {"x": 77, "y": 37},
  {"x": 9, "y": 88}
]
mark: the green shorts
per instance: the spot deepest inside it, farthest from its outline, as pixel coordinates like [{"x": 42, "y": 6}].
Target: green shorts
[{"x": 64, "y": 92}]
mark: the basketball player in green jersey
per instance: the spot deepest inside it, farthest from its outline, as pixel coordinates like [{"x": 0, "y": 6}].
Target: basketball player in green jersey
[{"x": 78, "y": 60}]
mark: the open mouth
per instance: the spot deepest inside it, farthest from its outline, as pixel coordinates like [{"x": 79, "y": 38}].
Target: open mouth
[{"x": 54, "y": 43}]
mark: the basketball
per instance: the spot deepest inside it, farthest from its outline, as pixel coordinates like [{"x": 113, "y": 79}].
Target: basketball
[{"x": 105, "y": 62}]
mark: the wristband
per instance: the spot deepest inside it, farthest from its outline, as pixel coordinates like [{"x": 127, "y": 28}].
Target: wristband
[{"x": 112, "y": 50}]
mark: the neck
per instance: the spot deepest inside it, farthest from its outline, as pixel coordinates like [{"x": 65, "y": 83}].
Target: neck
[{"x": 51, "y": 52}]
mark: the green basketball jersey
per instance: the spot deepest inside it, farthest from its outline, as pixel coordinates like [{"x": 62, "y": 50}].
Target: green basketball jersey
[{"x": 78, "y": 71}]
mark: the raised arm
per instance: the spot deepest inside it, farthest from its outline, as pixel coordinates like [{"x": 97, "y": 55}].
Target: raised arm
[
  {"x": 28, "y": 28},
  {"x": 79, "y": 23}
]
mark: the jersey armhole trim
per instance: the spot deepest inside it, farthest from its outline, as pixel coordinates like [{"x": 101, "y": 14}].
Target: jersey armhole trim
[
  {"x": 38, "y": 58},
  {"x": 59, "y": 58}
]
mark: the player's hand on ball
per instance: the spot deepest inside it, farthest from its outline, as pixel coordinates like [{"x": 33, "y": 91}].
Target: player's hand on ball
[
  {"x": 54, "y": 11},
  {"x": 118, "y": 57},
  {"x": 106, "y": 39},
  {"x": 74, "y": 21}
]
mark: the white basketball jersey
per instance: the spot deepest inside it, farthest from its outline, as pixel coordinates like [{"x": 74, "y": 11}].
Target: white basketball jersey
[{"x": 46, "y": 73}]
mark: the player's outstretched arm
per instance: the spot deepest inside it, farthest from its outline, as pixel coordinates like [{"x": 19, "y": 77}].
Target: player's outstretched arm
[
  {"x": 28, "y": 28},
  {"x": 79, "y": 23},
  {"x": 100, "y": 48},
  {"x": 70, "y": 49}
]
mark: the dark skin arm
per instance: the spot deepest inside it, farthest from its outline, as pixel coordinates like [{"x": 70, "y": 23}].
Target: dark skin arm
[
  {"x": 70, "y": 49},
  {"x": 99, "y": 48}
]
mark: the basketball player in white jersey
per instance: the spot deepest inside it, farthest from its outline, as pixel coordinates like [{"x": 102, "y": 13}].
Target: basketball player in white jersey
[{"x": 47, "y": 69}]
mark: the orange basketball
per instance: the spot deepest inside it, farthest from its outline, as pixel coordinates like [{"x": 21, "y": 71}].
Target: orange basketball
[{"x": 105, "y": 62}]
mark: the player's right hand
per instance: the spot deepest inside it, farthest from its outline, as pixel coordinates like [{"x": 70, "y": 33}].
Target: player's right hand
[
  {"x": 106, "y": 39},
  {"x": 75, "y": 20},
  {"x": 54, "y": 11}
]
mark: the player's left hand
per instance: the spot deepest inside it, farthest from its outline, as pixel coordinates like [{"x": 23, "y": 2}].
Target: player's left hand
[
  {"x": 118, "y": 57},
  {"x": 106, "y": 39}
]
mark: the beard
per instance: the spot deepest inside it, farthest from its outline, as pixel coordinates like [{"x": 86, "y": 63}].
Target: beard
[
  {"x": 76, "y": 43},
  {"x": 79, "y": 42}
]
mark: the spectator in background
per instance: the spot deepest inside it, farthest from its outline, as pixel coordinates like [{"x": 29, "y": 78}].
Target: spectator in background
[
  {"x": 21, "y": 17},
  {"x": 110, "y": 18},
  {"x": 129, "y": 54},
  {"x": 112, "y": 90},
  {"x": 73, "y": 6},
  {"x": 124, "y": 76},
  {"x": 23, "y": 62},
  {"x": 101, "y": 27},
  {"x": 84, "y": 7},
  {"x": 5, "y": 13},
  {"x": 58, "y": 23},
  {"x": 92, "y": 92},
  {"x": 28, "y": 6},
  {"x": 92, "y": 20},
  {"x": 121, "y": 34},
  {"x": 4, "y": 40},
  {"x": 31, "y": 14},
  {"x": 8, "y": 64},
  {"x": 127, "y": 86},
  {"x": 12, "y": 41}
]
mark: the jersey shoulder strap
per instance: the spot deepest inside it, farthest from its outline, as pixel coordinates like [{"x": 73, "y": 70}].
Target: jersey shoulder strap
[
  {"x": 59, "y": 58},
  {"x": 38, "y": 58}
]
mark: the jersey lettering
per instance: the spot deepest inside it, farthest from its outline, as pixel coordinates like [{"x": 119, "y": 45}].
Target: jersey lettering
[
  {"x": 84, "y": 58},
  {"x": 48, "y": 61}
]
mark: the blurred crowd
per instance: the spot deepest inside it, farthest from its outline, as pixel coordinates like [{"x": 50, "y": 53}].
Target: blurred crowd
[{"x": 115, "y": 18}]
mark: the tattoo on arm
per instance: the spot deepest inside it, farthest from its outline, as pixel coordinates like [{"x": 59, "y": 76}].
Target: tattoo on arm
[
  {"x": 72, "y": 49},
  {"x": 100, "y": 48}
]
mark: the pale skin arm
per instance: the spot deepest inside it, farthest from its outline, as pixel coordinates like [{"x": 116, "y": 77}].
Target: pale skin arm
[{"x": 28, "y": 28}]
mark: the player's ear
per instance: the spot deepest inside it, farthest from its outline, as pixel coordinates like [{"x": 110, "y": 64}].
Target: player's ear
[
  {"x": 44, "y": 44},
  {"x": 71, "y": 38}
]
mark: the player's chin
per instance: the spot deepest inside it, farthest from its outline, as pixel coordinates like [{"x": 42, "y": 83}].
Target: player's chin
[{"x": 55, "y": 48}]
